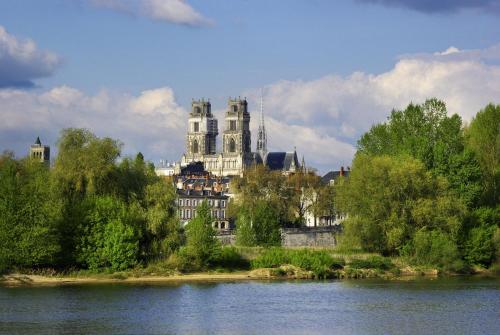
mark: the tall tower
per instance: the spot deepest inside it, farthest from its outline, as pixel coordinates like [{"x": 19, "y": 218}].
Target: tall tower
[
  {"x": 202, "y": 130},
  {"x": 40, "y": 152},
  {"x": 261, "y": 135},
  {"x": 236, "y": 138}
]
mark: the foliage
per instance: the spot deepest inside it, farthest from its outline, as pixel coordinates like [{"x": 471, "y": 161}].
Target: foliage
[
  {"x": 110, "y": 234},
  {"x": 201, "y": 244},
  {"x": 435, "y": 248},
  {"x": 426, "y": 133},
  {"x": 229, "y": 258},
  {"x": 372, "y": 262},
  {"x": 245, "y": 234},
  {"x": 319, "y": 262},
  {"x": 389, "y": 198},
  {"x": 266, "y": 225},
  {"x": 483, "y": 137},
  {"x": 30, "y": 214}
]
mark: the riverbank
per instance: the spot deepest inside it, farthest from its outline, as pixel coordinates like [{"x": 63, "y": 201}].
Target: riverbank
[{"x": 281, "y": 273}]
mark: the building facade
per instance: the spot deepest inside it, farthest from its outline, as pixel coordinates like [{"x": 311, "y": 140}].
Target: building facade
[{"x": 236, "y": 154}]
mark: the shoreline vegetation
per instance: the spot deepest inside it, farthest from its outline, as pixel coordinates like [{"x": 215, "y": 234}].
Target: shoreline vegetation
[
  {"x": 422, "y": 196},
  {"x": 274, "y": 264}
]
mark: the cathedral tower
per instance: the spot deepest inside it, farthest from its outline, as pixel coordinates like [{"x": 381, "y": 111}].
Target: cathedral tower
[
  {"x": 236, "y": 138},
  {"x": 40, "y": 152},
  {"x": 202, "y": 130}
]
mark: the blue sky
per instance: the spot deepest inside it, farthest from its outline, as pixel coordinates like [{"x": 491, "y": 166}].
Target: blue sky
[{"x": 319, "y": 61}]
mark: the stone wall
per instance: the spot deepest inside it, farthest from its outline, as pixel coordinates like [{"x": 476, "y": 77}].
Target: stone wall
[
  {"x": 295, "y": 237},
  {"x": 310, "y": 236}
]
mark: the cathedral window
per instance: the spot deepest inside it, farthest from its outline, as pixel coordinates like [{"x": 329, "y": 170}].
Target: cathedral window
[
  {"x": 195, "y": 147},
  {"x": 232, "y": 145},
  {"x": 196, "y": 127},
  {"x": 197, "y": 110},
  {"x": 235, "y": 108},
  {"x": 232, "y": 125}
]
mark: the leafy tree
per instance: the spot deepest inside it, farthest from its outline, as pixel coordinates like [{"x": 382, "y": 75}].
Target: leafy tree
[
  {"x": 110, "y": 234},
  {"x": 483, "y": 137},
  {"x": 163, "y": 233},
  {"x": 389, "y": 199},
  {"x": 306, "y": 188},
  {"x": 266, "y": 225},
  {"x": 434, "y": 247},
  {"x": 201, "y": 243},
  {"x": 426, "y": 133},
  {"x": 245, "y": 234}
]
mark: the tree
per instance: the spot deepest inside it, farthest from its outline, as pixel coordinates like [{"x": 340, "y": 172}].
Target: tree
[
  {"x": 306, "y": 187},
  {"x": 30, "y": 214},
  {"x": 483, "y": 138},
  {"x": 163, "y": 233},
  {"x": 201, "y": 243},
  {"x": 426, "y": 133},
  {"x": 389, "y": 198},
  {"x": 110, "y": 234},
  {"x": 266, "y": 225},
  {"x": 245, "y": 234}
]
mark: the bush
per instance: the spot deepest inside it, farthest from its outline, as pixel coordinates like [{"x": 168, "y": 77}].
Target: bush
[
  {"x": 372, "y": 262},
  {"x": 479, "y": 248},
  {"x": 229, "y": 258},
  {"x": 320, "y": 263},
  {"x": 436, "y": 248}
]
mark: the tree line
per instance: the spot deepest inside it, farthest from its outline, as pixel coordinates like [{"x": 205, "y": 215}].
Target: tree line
[{"x": 426, "y": 186}]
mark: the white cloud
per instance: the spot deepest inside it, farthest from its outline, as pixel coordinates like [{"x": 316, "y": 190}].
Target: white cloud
[
  {"x": 21, "y": 61},
  {"x": 322, "y": 118},
  {"x": 173, "y": 11},
  {"x": 151, "y": 122},
  {"x": 330, "y": 113}
]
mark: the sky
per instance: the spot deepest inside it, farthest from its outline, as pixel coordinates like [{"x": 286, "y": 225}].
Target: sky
[{"x": 328, "y": 70}]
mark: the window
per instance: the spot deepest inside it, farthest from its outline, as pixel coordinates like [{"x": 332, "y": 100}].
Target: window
[
  {"x": 216, "y": 214},
  {"x": 187, "y": 202},
  {"x": 197, "y": 110},
  {"x": 196, "y": 127},
  {"x": 194, "y": 202},
  {"x": 232, "y": 145},
  {"x": 223, "y": 214},
  {"x": 210, "y": 202},
  {"x": 223, "y": 203},
  {"x": 216, "y": 203},
  {"x": 180, "y": 202},
  {"x": 195, "y": 147},
  {"x": 222, "y": 225},
  {"x": 235, "y": 108},
  {"x": 232, "y": 125},
  {"x": 188, "y": 214}
]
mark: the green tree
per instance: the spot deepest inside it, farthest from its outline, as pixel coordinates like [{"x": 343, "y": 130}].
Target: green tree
[
  {"x": 163, "y": 235},
  {"x": 30, "y": 214},
  {"x": 266, "y": 225},
  {"x": 426, "y": 133},
  {"x": 483, "y": 137},
  {"x": 389, "y": 198},
  {"x": 245, "y": 234},
  {"x": 110, "y": 234},
  {"x": 201, "y": 243}
]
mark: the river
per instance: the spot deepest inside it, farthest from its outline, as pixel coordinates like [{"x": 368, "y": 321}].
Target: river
[{"x": 423, "y": 306}]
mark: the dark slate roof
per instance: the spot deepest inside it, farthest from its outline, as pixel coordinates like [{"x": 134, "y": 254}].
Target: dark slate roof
[
  {"x": 194, "y": 168},
  {"x": 332, "y": 175},
  {"x": 38, "y": 141},
  {"x": 281, "y": 160}
]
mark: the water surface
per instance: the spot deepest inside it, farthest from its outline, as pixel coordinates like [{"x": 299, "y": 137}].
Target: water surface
[{"x": 424, "y": 306}]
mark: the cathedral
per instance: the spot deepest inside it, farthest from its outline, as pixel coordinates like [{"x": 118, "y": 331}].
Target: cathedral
[{"x": 236, "y": 154}]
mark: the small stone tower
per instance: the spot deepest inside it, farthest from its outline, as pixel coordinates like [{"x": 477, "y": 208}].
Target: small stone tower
[
  {"x": 202, "y": 130},
  {"x": 40, "y": 152},
  {"x": 236, "y": 138}
]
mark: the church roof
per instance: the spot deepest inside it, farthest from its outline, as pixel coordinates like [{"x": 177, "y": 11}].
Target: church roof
[
  {"x": 282, "y": 161},
  {"x": 333, "y": 175},
  {"x": 38, "y": 140}
]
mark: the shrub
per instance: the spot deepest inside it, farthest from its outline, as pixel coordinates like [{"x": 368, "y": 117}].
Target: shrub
[
  {"x": 320, "y": 263},
  {"x": 229, "y": 258},
  {"x": 372, "y": 262},
  {"x": 437, "y": 249}
]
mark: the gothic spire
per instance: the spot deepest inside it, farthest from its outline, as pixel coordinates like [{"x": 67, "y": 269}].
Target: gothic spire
[{"x": 261, "y": 137}]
